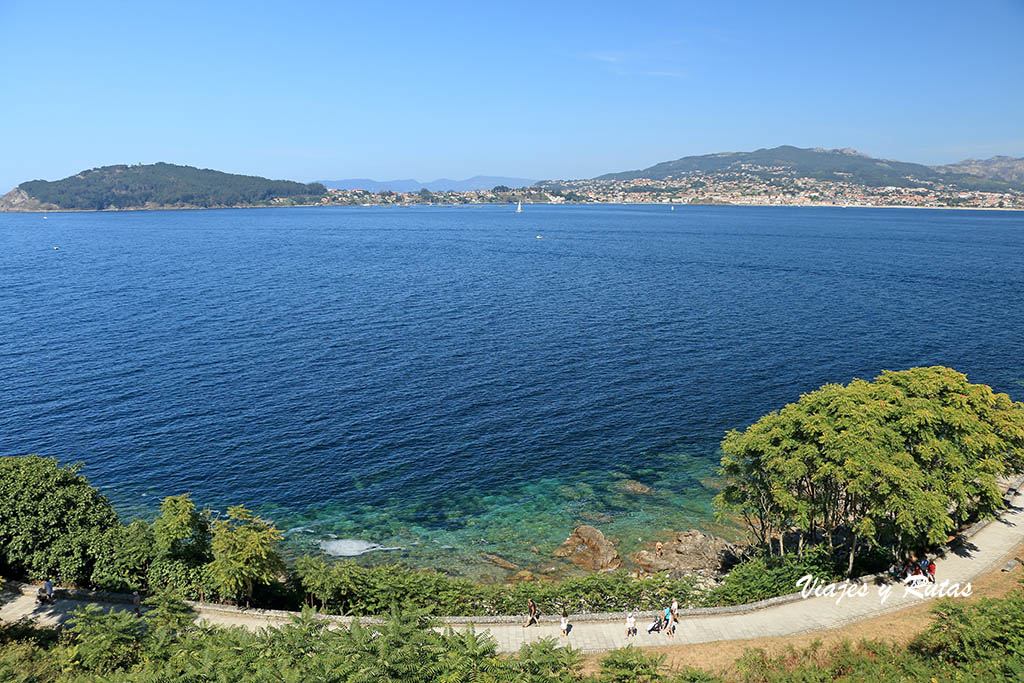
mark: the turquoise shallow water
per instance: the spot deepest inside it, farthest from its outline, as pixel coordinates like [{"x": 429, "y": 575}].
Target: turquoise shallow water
[{"x": 441, "y": 382}]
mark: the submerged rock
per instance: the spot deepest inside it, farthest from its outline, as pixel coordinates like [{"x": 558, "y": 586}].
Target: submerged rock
[
  {"x": 689, "y": 551},
  {"x": 500, "y": 561},
  {"x": 595, "y": 517},
  {"x": 587, "y": 547},
  {"x": 633, "y": 486}
]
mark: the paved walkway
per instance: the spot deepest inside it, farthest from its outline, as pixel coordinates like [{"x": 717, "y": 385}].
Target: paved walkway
[{"x": 983, "y": 552}]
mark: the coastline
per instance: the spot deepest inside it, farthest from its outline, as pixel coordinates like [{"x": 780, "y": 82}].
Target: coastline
[{"x": 566, "y": 203}]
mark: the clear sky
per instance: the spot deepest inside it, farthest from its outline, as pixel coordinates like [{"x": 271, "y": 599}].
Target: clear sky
[{"x": 313, "y": 90}]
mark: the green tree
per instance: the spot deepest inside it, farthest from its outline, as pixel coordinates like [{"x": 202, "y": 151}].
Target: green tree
[
  {"x": 52, "y": 521},
  {"x": 244, "y": 553},
  {"x": 897, "y": 463},
  {"x": 181, "y": 532},
  {"x": 123, "y": 557}
]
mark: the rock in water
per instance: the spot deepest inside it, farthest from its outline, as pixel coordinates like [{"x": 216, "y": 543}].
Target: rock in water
[
  {"x": 633, "y": 486},
  {"x": 689, "y": 551},
  {"x": 500, "y": 561},
  {"x": 587, "y": 547}
]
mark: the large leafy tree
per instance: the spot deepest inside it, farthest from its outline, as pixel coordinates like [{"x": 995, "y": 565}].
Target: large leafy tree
[
  {"x": 898, "y": 462},
  {"x": 244, "y": 552},
  {"x": 181, "y": 532},
  {"x": 52, "y": 521}
]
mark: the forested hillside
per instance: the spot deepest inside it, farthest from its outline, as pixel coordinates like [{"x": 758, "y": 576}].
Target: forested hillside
[{"x": 164, "y": 185}]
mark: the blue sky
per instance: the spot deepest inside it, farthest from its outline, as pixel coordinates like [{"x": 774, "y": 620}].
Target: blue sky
[{"x": 542, "y": 90}]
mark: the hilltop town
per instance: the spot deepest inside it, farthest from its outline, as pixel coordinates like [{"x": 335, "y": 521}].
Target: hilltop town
[
  {"x": 738, "y": 188},
  {"x": 781, "y": 176}
]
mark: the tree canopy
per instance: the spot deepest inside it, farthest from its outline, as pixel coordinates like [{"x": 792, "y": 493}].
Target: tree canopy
[
  {"x": 898, "y": 462},
  {"x": 244, "y": 552},
  {"x": 52, "y": 521}
]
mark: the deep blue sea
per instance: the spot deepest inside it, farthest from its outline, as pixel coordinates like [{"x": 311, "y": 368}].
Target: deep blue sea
[{"x": 442, "y": 382}]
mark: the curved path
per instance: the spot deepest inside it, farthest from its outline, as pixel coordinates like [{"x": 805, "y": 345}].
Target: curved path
[{"x": 966, "y": 561}]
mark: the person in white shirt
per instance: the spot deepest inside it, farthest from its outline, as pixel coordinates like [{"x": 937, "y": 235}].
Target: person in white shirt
[
  {"x": 565, "y": 623},
  {"x": 630, "y": 625}
]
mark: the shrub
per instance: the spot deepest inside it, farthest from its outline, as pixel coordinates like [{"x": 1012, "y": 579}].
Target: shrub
[
  {"x": 760, "y": 578},
  {"x": 973, "y": 632},
  {"x": 631, "y": 665}
]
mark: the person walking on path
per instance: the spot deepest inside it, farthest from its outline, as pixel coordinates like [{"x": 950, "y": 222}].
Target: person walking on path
[
  {"x": 48, "y": 587},
  {"x": 630, "y": 625},
  {"x": 565, "y": 623},
  {"x": 931, "y": 571},
  {"x": 675, "y": 610},
  {"x": 533, "y": 613},
  {"x": 137, "y": 603},
  {"x": 669, "y": 624}
]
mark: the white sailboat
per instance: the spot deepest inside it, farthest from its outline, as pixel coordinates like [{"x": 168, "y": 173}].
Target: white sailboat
[{"x": 519, "y": 207}]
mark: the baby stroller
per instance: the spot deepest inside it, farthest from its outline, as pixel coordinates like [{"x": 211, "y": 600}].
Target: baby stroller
[{"x": 656, "y": 625}]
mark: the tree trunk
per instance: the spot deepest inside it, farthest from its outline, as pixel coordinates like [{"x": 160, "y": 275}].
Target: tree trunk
[
  {"x": 853, "y": 550},
  {"x": 800, "y": 545}
]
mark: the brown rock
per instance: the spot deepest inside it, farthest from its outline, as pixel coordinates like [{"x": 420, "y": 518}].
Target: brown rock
[
  {"x": 633, "y": 486},
  {"x": 524, "y": 575},
  {"x": 689, "y": 551},
  {"x": 500, "y": 561},
  {"x": 587, "y": 547}
]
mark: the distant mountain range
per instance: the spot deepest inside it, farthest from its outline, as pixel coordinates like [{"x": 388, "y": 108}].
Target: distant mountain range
[
  {"x": 478, "y": 182},
  {"x": 999, "y": 168},
  {"x": 997, "y": 174}
]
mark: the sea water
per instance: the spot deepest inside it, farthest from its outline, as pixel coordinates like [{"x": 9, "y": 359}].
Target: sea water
[{"x": 428, "y": 384}]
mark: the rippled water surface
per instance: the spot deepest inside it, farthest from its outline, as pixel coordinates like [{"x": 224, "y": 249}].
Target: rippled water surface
[{"x": 426, "y": 384}]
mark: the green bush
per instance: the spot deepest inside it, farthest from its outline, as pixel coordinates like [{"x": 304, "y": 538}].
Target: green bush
[
  {"x": 104, "y": 643},
  {"x": 348, "y": 588},
  {"x": 760, "y": 578},
  {"x": 964, "y": 633},
  {"x": 632, "y": 665}
]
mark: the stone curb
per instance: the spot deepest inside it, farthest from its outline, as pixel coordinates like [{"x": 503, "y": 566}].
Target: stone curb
[{"x": 257, "y": 613}]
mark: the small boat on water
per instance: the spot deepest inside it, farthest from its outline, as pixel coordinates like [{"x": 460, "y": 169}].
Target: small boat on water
[
  {"x": 540, "y": 237},
  {"x": 519, "y": 207}
]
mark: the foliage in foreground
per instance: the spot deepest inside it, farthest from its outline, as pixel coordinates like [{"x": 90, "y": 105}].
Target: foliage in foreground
[
  {"x": 349, "y": 588},
  {"x": 980, "y": 641}
]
